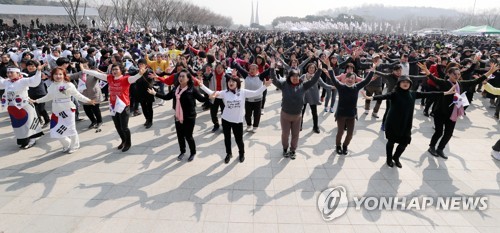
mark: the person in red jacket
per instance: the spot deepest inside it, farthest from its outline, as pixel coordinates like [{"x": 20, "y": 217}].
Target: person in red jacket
[
  {"x": 439, "y": 71},
  {"x": 119, "y": 99}
]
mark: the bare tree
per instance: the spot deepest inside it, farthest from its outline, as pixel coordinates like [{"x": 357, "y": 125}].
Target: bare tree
[
  {"x": 124, "y": 11},
  {"x": 145, "y": 13},
  {"x": 491, "y": 17},
  {"x": 106, "y": 15},
  {"x": 72, "y": 8}
]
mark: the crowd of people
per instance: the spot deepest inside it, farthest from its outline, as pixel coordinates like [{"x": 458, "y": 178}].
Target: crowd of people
[{"x": 230, "y": 72}]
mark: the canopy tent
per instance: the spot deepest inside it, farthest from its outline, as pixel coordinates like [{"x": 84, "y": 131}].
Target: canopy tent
[{"x": 476, "y": 30}]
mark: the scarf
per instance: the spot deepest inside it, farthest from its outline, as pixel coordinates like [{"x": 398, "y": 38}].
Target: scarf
[
  {"x": 458, "y": 108},
  {"x": 179, "y": 115}
]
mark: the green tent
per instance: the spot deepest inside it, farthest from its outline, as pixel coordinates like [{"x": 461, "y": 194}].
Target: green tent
[{"x": 476, "y": 30}]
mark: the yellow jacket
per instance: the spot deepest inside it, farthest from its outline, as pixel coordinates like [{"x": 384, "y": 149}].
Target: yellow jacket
[
  {"x": 158, "y": 66},
  {"x": 491, "y": 89}
]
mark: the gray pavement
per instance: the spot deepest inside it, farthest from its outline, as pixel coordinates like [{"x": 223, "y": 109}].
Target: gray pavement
[{"x": 99, "y": 189}]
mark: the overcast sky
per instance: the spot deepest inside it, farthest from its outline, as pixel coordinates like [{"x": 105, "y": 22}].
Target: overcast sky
[{"x": 240, "y": 10}]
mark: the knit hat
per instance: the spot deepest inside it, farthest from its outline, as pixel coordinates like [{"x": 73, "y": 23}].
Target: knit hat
[{"x": 404, "y": 78}]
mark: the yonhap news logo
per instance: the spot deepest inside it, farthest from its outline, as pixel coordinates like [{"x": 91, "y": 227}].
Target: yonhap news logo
[{"x": 333, "y": 202}]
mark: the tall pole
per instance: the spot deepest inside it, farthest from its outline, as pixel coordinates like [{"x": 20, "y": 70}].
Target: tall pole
[{"x": 473, "y": 11}]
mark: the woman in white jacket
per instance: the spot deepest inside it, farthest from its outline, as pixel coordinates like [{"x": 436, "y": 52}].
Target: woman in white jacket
[
  {"x": 62, "y": 121},
  {"x": 234, "y": 112},
  {"x": 22, "y": 114}
]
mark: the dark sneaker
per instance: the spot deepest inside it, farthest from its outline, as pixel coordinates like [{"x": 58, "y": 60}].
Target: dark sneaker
[
  {"x": 432, "y": 150},
  {"x": 216, "y": 127},
  {"x": 228, "y": 158},
  {"x": 242, "y": 158},
  {"x": 179, "y": 158},
  {"x": 292, "y": 155},
  {"x": 285, "y": 153},
  {"x": 344, "y": 150},
  {"x": 191, "y": 157},
  {"x": 441, "y": 154}
]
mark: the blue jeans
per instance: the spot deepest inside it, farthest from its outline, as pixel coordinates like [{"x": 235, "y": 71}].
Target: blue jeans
[{"x": 330, "y": 93}]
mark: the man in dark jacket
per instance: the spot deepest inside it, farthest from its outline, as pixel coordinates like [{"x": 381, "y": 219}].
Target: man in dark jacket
[
  {"x": 145, "y": 99},
  {"x": 37, "y": 92}
]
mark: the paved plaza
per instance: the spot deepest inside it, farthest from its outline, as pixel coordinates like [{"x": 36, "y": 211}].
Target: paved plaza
[{"x": 100, "y": 189}]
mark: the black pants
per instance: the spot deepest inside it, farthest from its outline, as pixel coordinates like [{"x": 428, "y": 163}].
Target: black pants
[
  {"x": 147, "y": 110},
  {"x": 185, "y": 133},
  {"x": 314, "y": 112},
  {"x": 238, "y": 136},
  {"x": 441, "y": 122},
  {"x": 429, "y": 100},
  {"x": 263, "y": 102},
  {"x": 121, "y": 124},
  {"x": 77, "y": 105},
  {"x": 215, "y": 108},
  {"x": 255, "y": 109},
  {"x": 134, "y": 102},
  {"x": 105, "y": 91},
  {"x": 41, "y": 112},
  {"x": 399, "y": 150},
  {"x": 93, "y": 112}
]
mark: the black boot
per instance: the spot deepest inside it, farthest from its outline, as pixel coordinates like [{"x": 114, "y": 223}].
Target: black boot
[
  {"x": 242, "y": 158},
  {"x": 389, "y": 161},
  {"x": 344, "y": 149},
  {"x": 181, "y": 155},
  {"x": 398, "y": 164},
  {"x": 128, "y": 142},
  {"x": 228, "y": 158},
  {"x": 338, "y": 149},
  {"x": 191, "y": 157}
]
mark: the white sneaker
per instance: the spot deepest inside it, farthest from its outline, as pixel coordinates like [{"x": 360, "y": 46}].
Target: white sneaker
[
  {"x": 326, "y": 109},
  {"x": 495, "y": 154},
  {"x": 374, "y": 115},
  {"x": 367, "y": 111},
  {"x": 72, "y": 150},
  {"x": 249, "y": 128},
  {"x": 332, "y": 110},
  {"x": 161, "y": 102},
  {"x": 65, "y": 149},
  {"x": 262, "y": 112},
  {"x": 254, "y": 130},
  {"x": 31, "y": 143}
]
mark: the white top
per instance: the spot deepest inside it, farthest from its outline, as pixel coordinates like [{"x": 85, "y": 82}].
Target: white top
[
  {"x": 234, "y": 110},
  {"x": 60, "y": 93},
  {"x": 16, "y": 93}
]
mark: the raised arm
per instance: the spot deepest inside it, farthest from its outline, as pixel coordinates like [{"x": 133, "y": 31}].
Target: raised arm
[
  {"x": 491, "y": 89},
  {"x": 96, "y": 74},
  {"x": 276, "y": 82},
  {"x": 252, "y": 93},
  {"x": 35, "y": 80},
  {"x": 132, "y": 79},
  {"x": 426, "y": 71},
  {"x": 386, "y": 96},
  {"x": 470, "y": 83},
  {"x": 365, "y": 81},
  {"x": 240, "y": 69},
  {"x": 75, "y": 93},
  {"x": 314, "y": 80}
]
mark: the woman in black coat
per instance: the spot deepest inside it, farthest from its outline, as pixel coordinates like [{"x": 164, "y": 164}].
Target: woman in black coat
[
  {"x": 400, "y": 116},
  {"x": 185, "y": 113}
]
